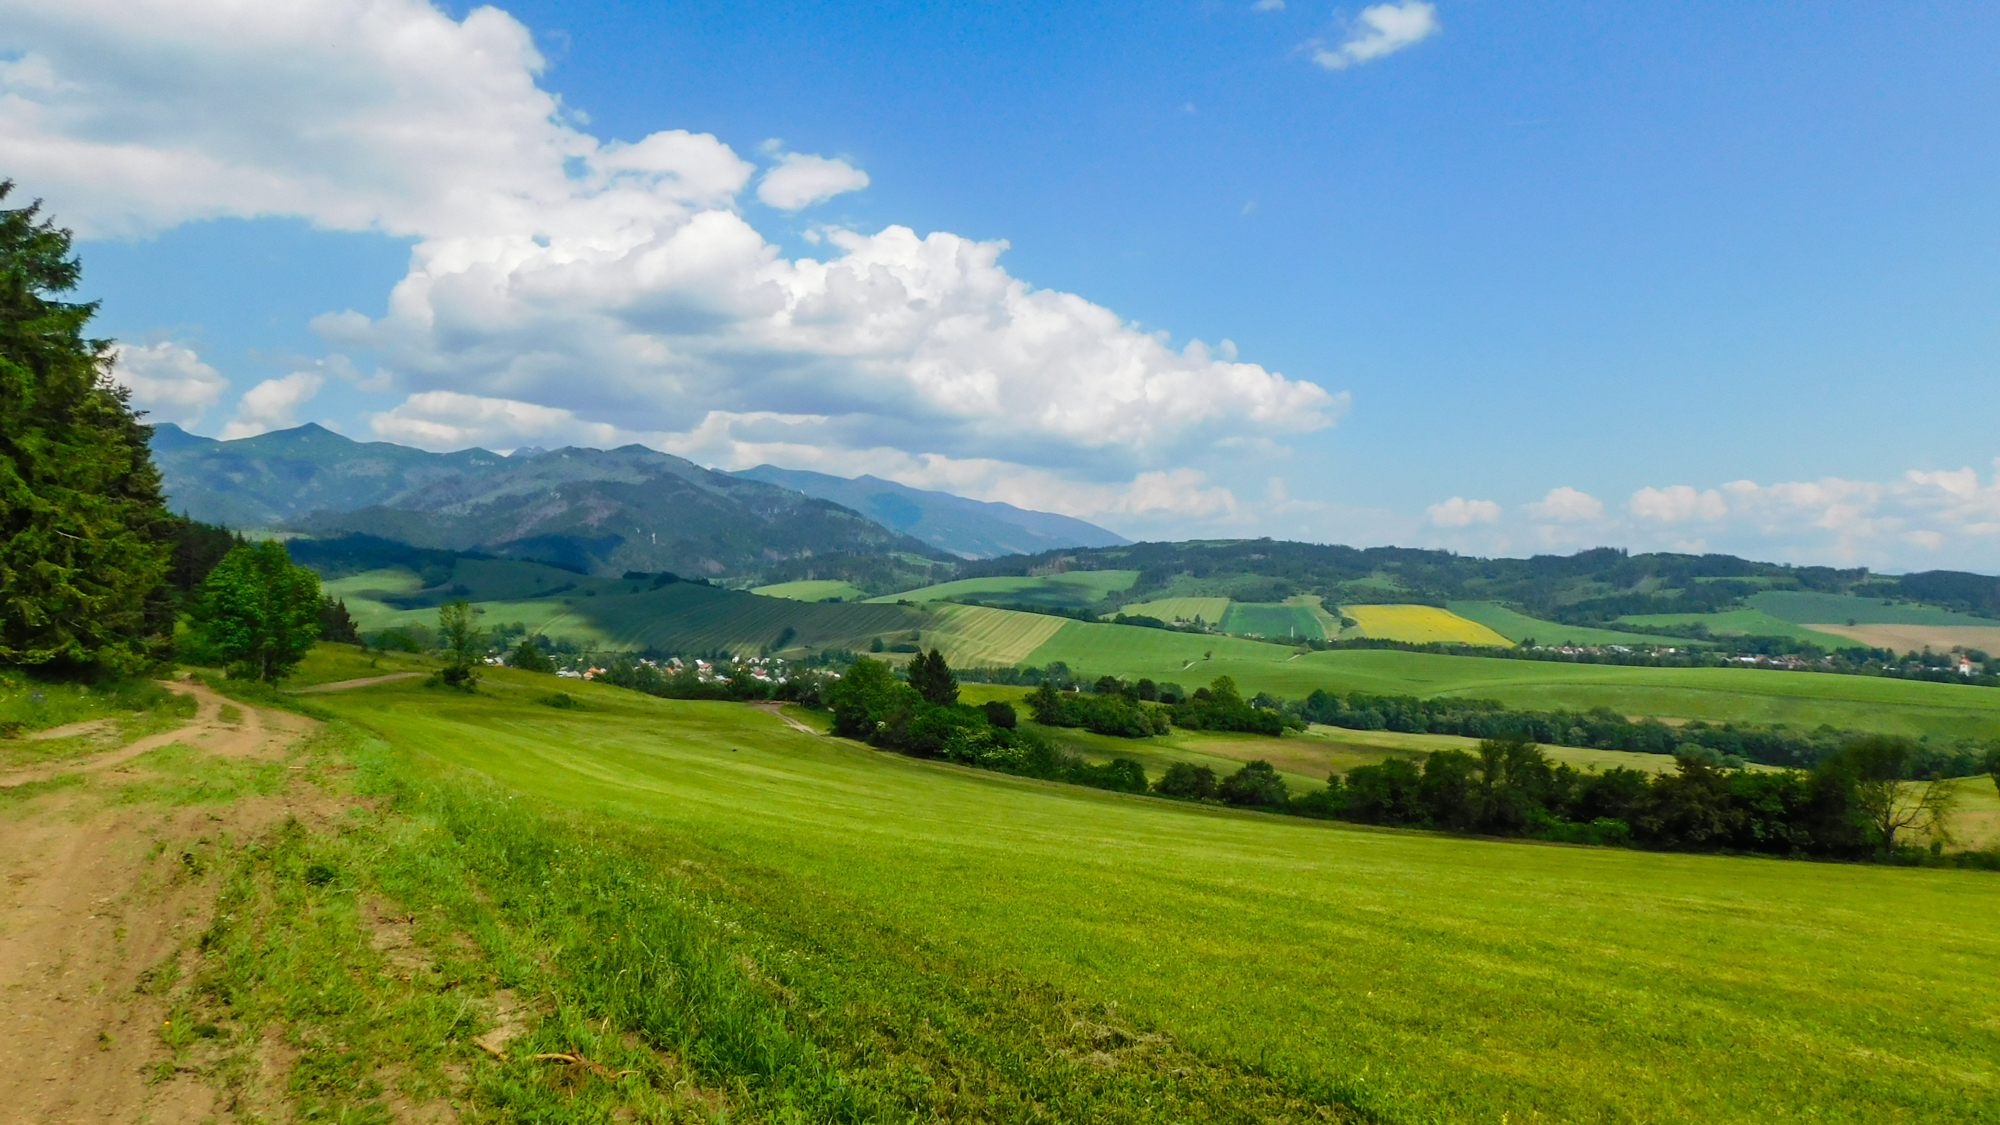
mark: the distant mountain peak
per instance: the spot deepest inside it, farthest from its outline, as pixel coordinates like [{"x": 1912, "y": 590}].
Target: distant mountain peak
[{"x": 971, "y": 529}]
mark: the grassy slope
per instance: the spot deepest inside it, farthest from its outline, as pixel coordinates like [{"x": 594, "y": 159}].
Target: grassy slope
[
  {"x": 615, "y": 614},
  {"x": 1714, "y": 694},
  {"x": 1076, "y": 588},
  {"x": 1457, "y": 979},
  {"x": 1519, "y": 626},
  {"x": 1272, "y": 620},
  {"x": 813, "y": 590},
  {"x": 1805, "y": 608},
  {"x": 1210, "y": 610},
  {"x": 1742, "y": 622},
  {"x": 975, "y": 636}
]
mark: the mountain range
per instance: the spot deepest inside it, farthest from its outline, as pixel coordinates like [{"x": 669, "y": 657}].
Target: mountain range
[
  {"x": 601, "y": 511},
  {"x": 971, "y": 529}
]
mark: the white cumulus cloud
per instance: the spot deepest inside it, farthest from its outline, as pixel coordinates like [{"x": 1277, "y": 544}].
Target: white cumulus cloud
[
  {"x": 800, "y": 180},
  {"x": 1566, "y": 505},
  {"x": 1460, "y": 512},
  {"x": 609, "y": 283},
  {"x": 167, "y": 380},
  {"x": 1677, "y": 503},
  {"x": 1380, "y": 29},
  {"x": 272, "y": 405}
]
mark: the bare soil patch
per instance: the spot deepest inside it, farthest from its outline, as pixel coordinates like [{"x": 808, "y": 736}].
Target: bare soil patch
[
  {"x": 97, "y": 901},
  {"x": 1916, "y": 638}
]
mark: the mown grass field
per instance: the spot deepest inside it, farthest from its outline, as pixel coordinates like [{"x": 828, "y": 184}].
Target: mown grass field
[
  {"x": 1916, "y": 638},
  {"x": 1420, "y": 624},
  {"x": 1712, "y": 694},
  {"x": 1423, "y": 978},
  {"x": 815, "y": 590},
  {"x": 1268, "y": 619},
  {"x": 1517, "y": 627},
  {"x": 1741, "y": 622},
  {"x": 1804, "y": 607},
  {"x": 1210, "y": 610},
  {"x": 1075, "y": 588}
]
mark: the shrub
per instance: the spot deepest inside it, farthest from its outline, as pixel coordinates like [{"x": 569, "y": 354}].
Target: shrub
[{"x": 1186, "y": 780}]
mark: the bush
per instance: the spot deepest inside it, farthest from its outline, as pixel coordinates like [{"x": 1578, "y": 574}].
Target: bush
[
  {"x": 1188, "y": 781},
  {"x": 1001, "y": 714},
  {"x": 1256, "y": 785}
]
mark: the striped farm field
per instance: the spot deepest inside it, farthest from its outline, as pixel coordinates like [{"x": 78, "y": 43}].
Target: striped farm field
[
  {"x": 971, "y": 635},
  {"x": 1420, "y": 624},
  {"x": 1210, "y": 610}
]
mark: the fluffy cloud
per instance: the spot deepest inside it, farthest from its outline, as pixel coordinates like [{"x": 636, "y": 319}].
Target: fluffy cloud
[
  {"x": 1460, "y": 512},
  {"x": 601, "y": 281},
  {"x": 1924, "y": 519},
  {"x": 800, "y": 181},
  {"x": 1381, "y": 29},
  {"x": 272, "y": 405},
  {"x": 1677, "y": 504},
  {"x": 167, "y": 380},
  {"x": 1566, "y": 505}
]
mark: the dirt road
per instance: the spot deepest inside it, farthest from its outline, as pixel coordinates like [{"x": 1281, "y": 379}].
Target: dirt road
[{"x": 95, "y": 895}]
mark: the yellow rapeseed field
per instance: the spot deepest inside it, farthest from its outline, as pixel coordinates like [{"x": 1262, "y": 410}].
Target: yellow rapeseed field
[{"x": 1419, "y": 624}]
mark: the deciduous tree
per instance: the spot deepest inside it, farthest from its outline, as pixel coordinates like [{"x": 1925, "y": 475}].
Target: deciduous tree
[{"x": 258, "y": 612}]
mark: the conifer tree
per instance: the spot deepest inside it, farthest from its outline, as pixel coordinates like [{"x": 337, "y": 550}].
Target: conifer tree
[
  {"x": 932, "y": 678},
  {"x": 84, "y": 532}
]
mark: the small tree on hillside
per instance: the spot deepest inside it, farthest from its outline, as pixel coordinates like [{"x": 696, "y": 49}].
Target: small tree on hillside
[
  {"x": 462, "y": 643},
  {"x": 258, "y": 612},
  {"x": 1887, "y": 796},
  {"x": 932, "y": 678},
  {"x": 529, "y": 658}
]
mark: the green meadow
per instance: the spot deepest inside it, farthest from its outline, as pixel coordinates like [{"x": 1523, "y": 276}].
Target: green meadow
[
  {"x": 1388, "y": 976},
  {"x": 1712, "y": 694},
  {"x": 1518, "y": 627},
  {"x": 1074, "y": 588},
  {"x": 1743, "y": 622}
]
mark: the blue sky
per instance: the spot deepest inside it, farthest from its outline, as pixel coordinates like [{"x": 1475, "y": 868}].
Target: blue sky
[{"x": 1504, "y": 278}]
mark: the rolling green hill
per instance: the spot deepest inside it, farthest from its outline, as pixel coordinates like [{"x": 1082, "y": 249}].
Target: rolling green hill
[
  {"x": 1741, "y": 622},
  {"x": 1801, "y": 607},
  {"x": 1713, "y": 694},
  {"x": 613, "y": 614},
  {"x": 1519, "y": 627},
  {"x": 1072, "y": 589},
  {"x": 1398, "y": 975}
]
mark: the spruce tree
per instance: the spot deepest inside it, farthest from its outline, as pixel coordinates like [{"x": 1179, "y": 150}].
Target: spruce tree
[
  {"x": 932, "y": 678},
  {"x": 84, "y": 532}
]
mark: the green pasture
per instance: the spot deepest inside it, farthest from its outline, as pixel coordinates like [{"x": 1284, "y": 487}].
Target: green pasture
[
  {"x": 1427, "y": 978},
  {"x": 1802, "y": 699},
  {"x": 615, "y": 614},
  {"x": 1518, "y": 627},
  {"x": 813, "y": 590},
  {"x": 1074, "y": 589},
  {"x": 1268, "y": 619},
  {"x": 1802, "y": 607},
  {"x": 1743, "y": 623},
  {"x": 1209, "y": 610}
]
